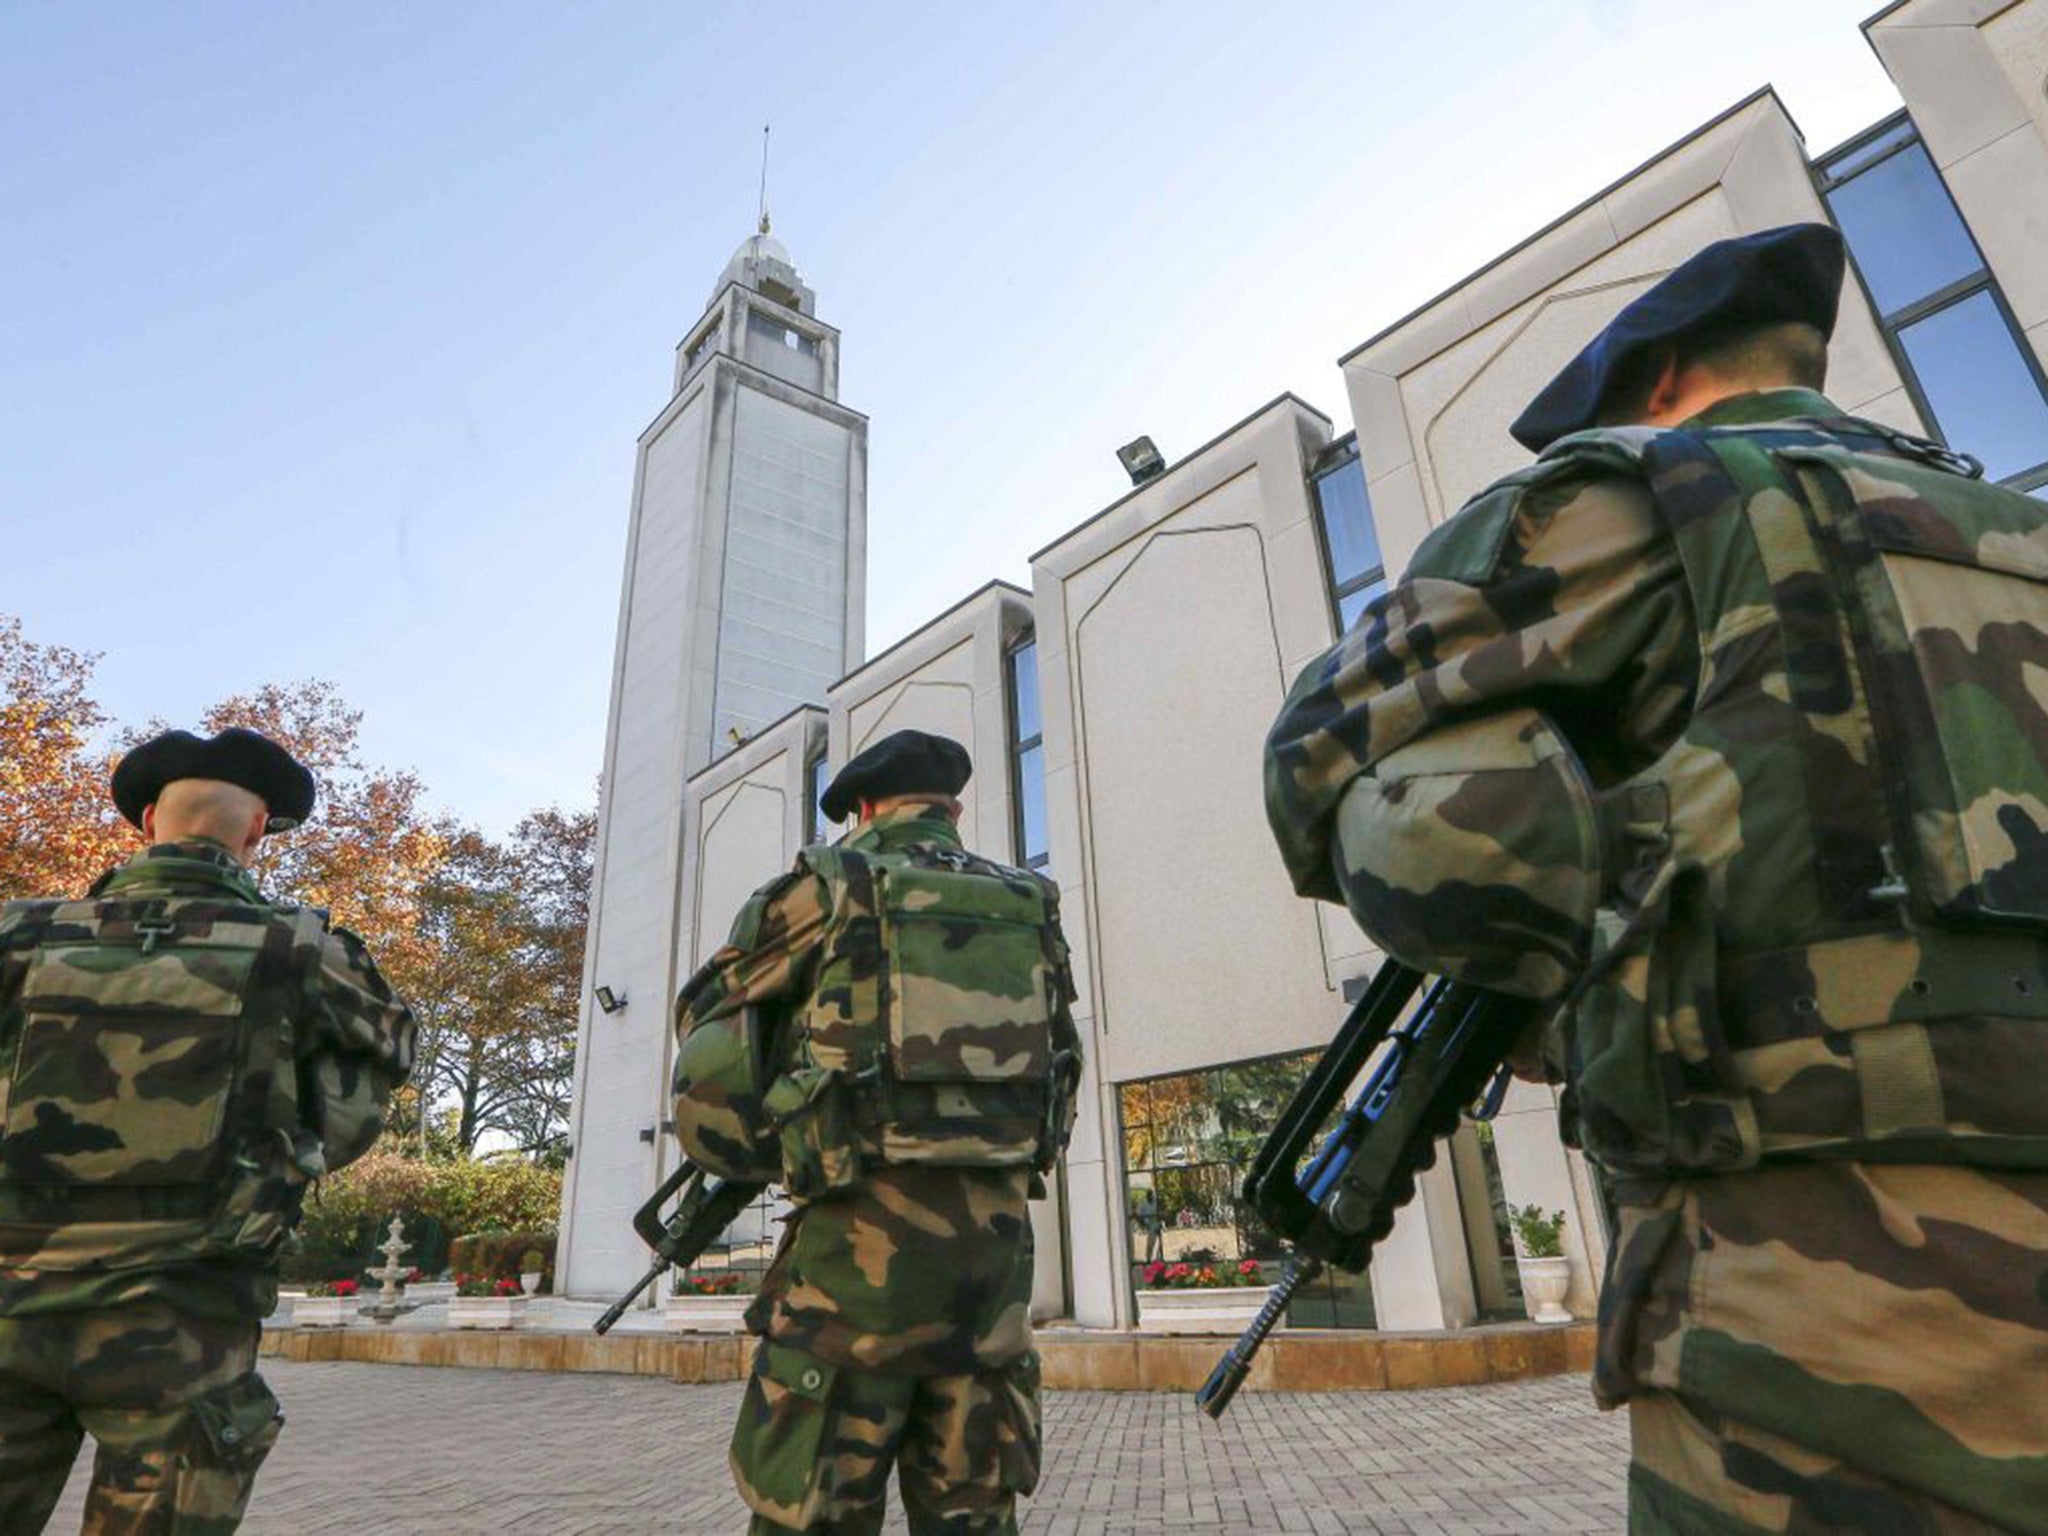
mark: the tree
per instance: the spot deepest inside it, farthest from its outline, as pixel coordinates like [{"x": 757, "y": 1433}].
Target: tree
[
  {"x": 497, "y": 1001},
  {"x": 58, "y": 826},
  {"x": 484, "y": 939}
]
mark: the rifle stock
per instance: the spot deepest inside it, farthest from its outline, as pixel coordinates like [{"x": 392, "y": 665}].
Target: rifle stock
[
  {"x": 1336, "y": 1209},
  {"x": 707, "y": 1207}
]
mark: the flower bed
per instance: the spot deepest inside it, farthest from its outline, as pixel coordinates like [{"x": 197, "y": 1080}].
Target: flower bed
[
  {"x": 482, "y": 1301},
  {"x": 326, "y": 1304},
  {"x": 1200, "y": 1298},
  {"x": 714, "y": 1303}
]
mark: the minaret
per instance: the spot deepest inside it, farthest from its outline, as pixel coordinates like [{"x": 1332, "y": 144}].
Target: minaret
[{"x": 743, "y": 599}]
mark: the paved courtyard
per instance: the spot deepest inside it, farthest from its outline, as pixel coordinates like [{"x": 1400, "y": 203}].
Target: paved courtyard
[{"x": 444, "y": 1452}]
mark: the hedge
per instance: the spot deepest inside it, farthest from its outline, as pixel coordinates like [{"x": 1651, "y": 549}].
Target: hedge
[
  {"x": 503, "y": 1255},
  {"x": 348, "y": 1214}
]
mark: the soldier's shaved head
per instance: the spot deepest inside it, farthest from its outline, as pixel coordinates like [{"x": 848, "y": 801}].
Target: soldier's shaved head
[{"x": 211, "y": 808}]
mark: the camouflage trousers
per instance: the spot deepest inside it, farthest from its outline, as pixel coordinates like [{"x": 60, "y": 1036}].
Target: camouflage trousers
[
  {"x": 1689, "y": 1476},
  {"x": 1800, "y": 1340},
  {"x": 815, "y": 1442},
  {"x": 181, "y": 1418}
]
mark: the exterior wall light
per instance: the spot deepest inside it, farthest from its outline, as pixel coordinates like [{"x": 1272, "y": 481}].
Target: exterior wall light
[
  {"x": 1140, "y": 459},
  {"x": 610, "y": 1001}
]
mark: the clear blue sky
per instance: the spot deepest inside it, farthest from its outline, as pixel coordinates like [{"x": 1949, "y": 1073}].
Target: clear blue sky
[{"x": 326, "y": 332}]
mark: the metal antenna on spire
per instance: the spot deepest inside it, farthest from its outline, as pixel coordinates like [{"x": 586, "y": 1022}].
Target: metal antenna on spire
[{"x": 764, "y": 178}]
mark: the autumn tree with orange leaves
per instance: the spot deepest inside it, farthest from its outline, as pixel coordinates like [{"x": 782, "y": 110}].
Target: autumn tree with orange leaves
[{"x": 58, "y": 827}]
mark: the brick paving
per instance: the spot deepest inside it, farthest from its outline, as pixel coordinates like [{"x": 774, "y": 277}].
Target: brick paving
[{"x": 450, "y": 1452}]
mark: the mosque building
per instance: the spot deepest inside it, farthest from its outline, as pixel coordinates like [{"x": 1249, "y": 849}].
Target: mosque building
[{"x": 1180, "y": 613}]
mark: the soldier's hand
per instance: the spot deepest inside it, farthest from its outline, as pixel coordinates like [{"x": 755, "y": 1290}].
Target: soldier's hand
[{"x": 1526, "y": 1059}]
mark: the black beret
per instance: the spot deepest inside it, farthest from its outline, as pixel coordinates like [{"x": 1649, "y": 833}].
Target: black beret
[
  {"x": 1793, "y": 272},
  {"x": 236, "y": 756},
  {"x": 904, "y": 763}
]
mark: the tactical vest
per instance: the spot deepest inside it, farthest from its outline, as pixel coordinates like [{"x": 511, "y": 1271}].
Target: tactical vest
[
  {"x": 148, "y": 1080},
  {"x": 936, "y": 1031},
  {"x": 1830, "y": 929}
]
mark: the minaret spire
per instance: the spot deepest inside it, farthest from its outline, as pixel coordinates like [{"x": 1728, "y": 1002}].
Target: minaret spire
[{"x": 764, "y": 178}]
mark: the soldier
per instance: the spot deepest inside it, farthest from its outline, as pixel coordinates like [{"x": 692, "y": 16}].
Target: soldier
[
  {"x": 887, "y": 1034},
  {"x": 1721, "y": 725},
  {"x": 179, "y": 1059}
]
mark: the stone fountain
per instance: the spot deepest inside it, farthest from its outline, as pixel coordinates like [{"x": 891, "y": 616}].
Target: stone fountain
[{"x": 390, "y": 1300}]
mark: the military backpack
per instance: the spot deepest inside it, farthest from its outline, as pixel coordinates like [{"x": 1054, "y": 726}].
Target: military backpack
[
  {"x": 937, "y": 1030},
  {"x": 147, "y": 1079},
  {"x": 1830, "y": 931}
]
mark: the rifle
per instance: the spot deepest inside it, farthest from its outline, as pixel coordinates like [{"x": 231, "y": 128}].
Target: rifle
[
  {"x": 706, "y": 1209},
  {"x": 1342, "y": 1203}
]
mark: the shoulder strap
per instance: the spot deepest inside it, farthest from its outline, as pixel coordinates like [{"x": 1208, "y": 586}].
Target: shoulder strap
[
  {"x": 1468, "y": 548},
  {"x": 22, "y": 927}
]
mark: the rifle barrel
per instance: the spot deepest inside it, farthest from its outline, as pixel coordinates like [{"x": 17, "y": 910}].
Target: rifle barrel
[
  {"x": 618, "y": 1308},
  {"x": 1236, "y": 1364}
]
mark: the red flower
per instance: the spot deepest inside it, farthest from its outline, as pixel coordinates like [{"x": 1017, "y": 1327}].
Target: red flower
[
  {"x": 345, "y": 1287},
  {"x": 1153, "y": 1271},
  {"x": 1248, "y": 1267}
]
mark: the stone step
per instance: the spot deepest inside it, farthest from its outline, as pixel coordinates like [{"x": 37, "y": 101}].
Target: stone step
[{"x": 1299, "y": 1360}]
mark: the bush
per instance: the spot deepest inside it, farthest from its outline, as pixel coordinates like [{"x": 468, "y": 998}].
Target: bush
[
  {"x": 1542, "y": 1236},
  {"x": 348, "y": 1214},
  {"x": 505, "y": 1255}
]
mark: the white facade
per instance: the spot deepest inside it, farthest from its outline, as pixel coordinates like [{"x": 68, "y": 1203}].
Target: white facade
[{"x": 1166, "y": 628}]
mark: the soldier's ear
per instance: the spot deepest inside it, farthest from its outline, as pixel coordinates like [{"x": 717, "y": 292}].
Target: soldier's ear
[
  {"x": 1665, "y": 389},
  {"x": 149, "y": 821}
]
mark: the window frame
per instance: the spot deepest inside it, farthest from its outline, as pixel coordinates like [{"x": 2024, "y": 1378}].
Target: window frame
[
  {"x": 1890, "y": 325},
  {"x": 1334, "y": 458},
  {"x": 1017, "y": 748}
]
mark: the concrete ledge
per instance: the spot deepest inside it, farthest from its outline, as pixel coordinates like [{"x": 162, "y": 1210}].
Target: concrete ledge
[{"x": 1309, "y": 1360}]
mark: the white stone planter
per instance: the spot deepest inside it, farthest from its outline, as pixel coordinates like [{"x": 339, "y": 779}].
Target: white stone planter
[
  {"x": 529, "y": 1281},
  {"x": 487, "y": 1312},
  {"x": 324, "y": 1311},
  {"x": 1228, "y": 1310},
  {"x": 704, "y": 1314},
  {"x": 1544, "y": 1283}
]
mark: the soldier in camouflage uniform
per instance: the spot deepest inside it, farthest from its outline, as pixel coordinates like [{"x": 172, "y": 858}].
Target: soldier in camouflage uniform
[
  {"x": 1723, "y": 725},
  {"x": 179, "y": 1059},
  {"x": 887, "y": 1034}
]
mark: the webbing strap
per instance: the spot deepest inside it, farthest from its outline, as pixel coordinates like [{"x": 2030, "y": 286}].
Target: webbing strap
[{"x": 1899, "y": 1081}]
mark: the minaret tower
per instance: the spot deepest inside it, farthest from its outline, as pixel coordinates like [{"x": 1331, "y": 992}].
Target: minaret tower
[{"x": 743, "y": 599}]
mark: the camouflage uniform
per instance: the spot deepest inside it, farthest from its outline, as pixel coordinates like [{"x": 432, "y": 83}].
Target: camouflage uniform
[
  {"x": 1731, "y": 739},
  {"x": 179, "y": 1059},
  {"x": 895, "y": 1318}
]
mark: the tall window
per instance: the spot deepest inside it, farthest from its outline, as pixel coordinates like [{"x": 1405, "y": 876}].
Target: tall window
[
  {"x": 1027, "y": 758},
  {"x": 1351, "y": 544},
  {"x": 817, "y": 774},
  {"x": 1969, "y": 370},
  {"x": 1188, "y": 1143}
]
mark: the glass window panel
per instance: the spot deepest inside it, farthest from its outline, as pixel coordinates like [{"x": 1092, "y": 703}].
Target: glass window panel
[
  {"x": 1845, "y": 165},
  {"x": 1196, "y": 1205},
  {"x": 1347, "y": 522},
  {"x": 1982, "y": 392},
  {"x": 1031, "y": 803},
  {"x": 1906, "y": 236},
  {"x": 1024, "y": 691},
  {"x": 1352, "y": 604}
]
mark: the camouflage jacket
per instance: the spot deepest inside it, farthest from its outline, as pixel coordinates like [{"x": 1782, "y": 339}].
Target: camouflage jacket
[
  {"x": 1785, "y": 932},
  {"x": 252, "y": 1050},
  {"x": 893, "y": 1262},
  {"x": 1768, "y": 939}
]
